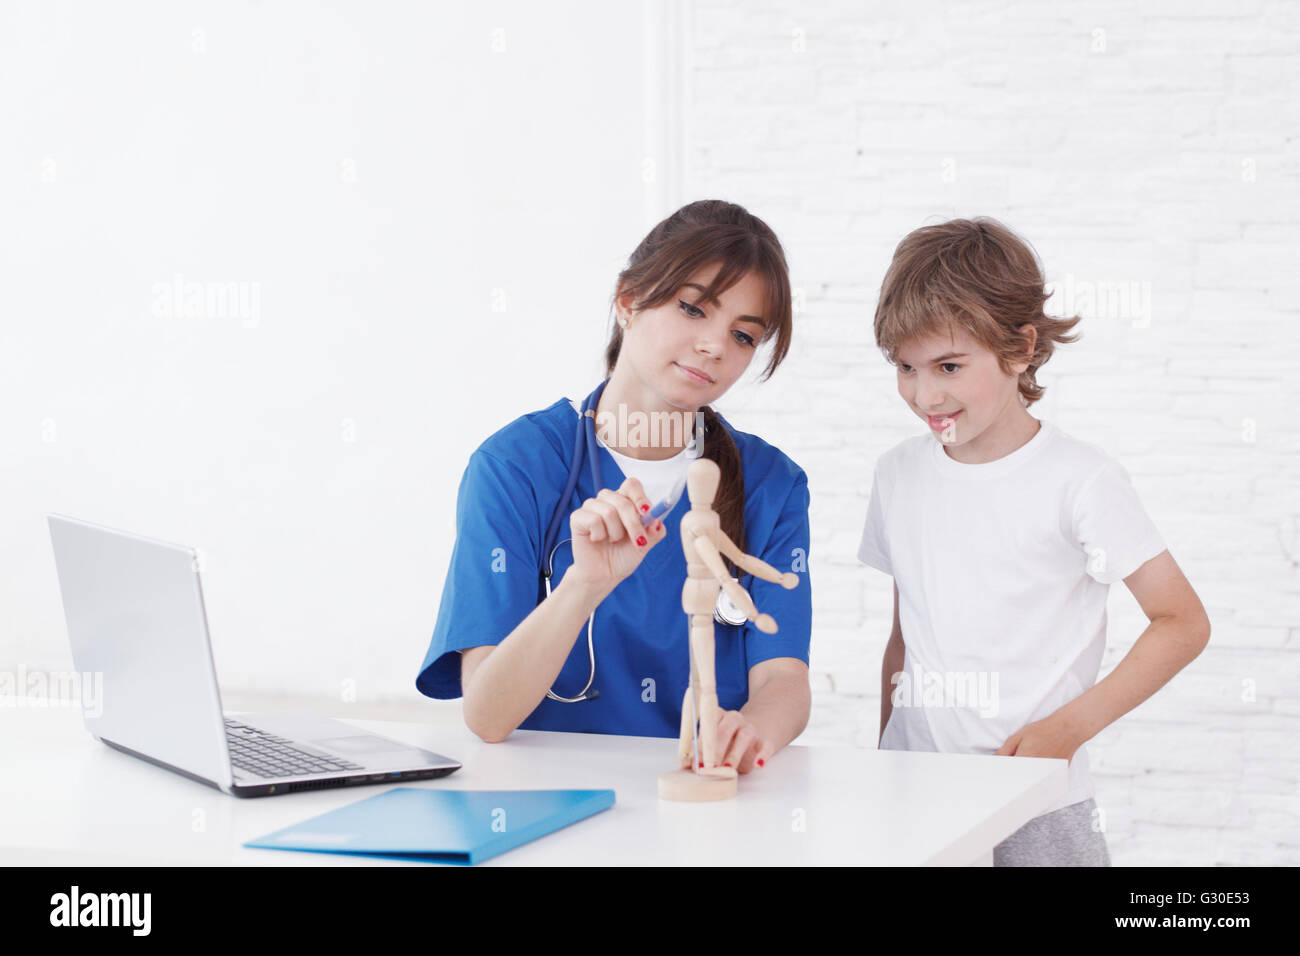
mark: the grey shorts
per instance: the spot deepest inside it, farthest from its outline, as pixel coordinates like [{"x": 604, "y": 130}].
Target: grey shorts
[{"x": 1064, "y": 837}]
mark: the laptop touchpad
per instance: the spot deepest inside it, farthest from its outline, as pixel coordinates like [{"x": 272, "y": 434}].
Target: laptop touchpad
[{"x": 360, "y": 745}]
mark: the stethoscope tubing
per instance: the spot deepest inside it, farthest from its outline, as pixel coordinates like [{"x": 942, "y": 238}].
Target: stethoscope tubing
[{"x": 584, "y": 440}]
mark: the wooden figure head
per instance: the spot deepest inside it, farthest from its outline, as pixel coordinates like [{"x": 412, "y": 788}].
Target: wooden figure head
[{"x": 702, "y": 479}]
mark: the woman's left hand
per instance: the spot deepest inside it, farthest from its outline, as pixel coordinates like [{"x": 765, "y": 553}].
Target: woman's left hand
[{"x": 739, "y": 743}]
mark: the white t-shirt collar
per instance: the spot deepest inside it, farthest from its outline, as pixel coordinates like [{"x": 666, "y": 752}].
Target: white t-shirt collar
[{"x": 992, "y": 469}]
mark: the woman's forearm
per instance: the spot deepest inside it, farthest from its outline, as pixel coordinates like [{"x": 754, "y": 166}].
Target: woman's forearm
[
  {"x": 513, "y": 679},
  {"x": 779, "y": 709}
]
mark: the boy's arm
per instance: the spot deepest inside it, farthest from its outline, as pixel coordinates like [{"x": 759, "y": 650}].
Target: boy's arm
[
  {"x": 1178, "y": 632},
  {"x": 892, "y": 664}
]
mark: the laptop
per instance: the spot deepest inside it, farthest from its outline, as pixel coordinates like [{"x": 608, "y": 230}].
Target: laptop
[{"x": 136, "y": 622}]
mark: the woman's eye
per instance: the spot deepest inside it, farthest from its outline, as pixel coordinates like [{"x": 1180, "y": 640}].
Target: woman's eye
[{"x": 696, "y": 313}]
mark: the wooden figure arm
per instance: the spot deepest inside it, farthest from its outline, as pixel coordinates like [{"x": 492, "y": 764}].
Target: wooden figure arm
[
  {"x": 707, "y": 553},
  {"x": 756, "y": 566}
]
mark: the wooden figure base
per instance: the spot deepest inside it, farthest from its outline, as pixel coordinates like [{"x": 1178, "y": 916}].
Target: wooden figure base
[{"x": 689, "y": 786}]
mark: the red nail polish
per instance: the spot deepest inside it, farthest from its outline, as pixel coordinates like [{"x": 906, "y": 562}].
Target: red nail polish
[
  {"x": 726, "y": 765},
  {"x": 760, "y": 763},
  {"x": 640, "y": 541},
  {"x": 701, "y": 763},
  {"x": 645, "y": 507},
  {"x": 659, "y": 525}
]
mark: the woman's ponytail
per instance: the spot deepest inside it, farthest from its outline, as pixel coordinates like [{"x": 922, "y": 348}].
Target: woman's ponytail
[{"x": 729, "y": 503}]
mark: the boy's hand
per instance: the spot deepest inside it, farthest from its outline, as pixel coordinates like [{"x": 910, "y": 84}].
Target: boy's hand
[{"x": 1049, "y": 737}]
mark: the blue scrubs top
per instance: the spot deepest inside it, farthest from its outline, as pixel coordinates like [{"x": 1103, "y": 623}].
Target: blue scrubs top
[{"x": 511, "y": 488}]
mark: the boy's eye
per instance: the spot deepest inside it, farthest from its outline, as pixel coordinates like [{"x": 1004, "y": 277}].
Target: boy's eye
[{"x": 905, "y": 369}]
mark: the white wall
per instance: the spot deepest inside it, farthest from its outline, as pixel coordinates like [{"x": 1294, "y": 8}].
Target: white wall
[
  {"x": 377, "y": 172},
  {"x": 423, "y": 209},
  {"x": 1150, "y": 143}
]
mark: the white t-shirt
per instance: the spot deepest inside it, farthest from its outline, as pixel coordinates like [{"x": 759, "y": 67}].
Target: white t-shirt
[
  {"x": 1003, "y": 570},
  {"x": 658, "y": 478}
]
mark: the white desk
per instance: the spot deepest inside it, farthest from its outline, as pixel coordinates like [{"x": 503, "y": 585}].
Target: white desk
[{"x": 68, "y": 799}]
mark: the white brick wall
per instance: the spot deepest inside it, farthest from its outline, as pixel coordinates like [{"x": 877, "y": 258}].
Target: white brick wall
[{"x": 1154, "y": 143}]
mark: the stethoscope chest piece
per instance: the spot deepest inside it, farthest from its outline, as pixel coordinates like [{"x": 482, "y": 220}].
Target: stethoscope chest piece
[{"x": 726, "y": 612}]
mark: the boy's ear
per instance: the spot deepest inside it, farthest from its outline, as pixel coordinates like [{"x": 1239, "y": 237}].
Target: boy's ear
[{"x": 1031, "y": 338}]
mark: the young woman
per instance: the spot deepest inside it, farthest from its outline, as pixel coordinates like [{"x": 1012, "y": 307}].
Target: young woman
[{"x": 701, "y": 293}]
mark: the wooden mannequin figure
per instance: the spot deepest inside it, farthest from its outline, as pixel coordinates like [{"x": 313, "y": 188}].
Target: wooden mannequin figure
[{"x": 704, "y": 542}]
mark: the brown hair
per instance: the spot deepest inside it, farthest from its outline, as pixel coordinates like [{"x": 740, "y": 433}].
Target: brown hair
[
  {"x": 979, "y": 275},
  {"x": 701, "y": 234}
]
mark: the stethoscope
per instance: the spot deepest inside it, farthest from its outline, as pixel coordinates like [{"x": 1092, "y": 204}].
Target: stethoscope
[{"x": 724, "y": 612}]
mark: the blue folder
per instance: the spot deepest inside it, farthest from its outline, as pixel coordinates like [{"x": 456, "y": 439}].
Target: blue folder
[{"x": 439, "y": 826}]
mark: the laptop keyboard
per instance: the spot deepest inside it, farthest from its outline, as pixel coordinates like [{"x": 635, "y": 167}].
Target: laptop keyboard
[{"x": 265, "y": 755}]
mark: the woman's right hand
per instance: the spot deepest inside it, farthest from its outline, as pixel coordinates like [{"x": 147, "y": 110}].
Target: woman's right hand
[{"x": 605, "y": 532}]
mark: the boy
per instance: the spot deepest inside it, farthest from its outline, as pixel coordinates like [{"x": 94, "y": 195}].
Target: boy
[{"x": 1003, "y": 535}]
